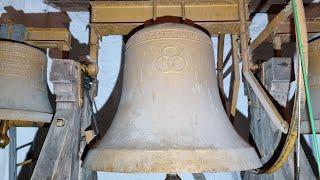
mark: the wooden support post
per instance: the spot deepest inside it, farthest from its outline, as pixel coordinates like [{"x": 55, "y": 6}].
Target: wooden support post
[
  {"x": 276, "y": 79},
  {"x": 303, "y": 30},
  {"x": 59, "y": 157},
  {"x": 235, "y": 79},
  {"x": 86, "y": 115},
  {"x": 93, "y": 52},
  {"x": 252, "y": 81},
  {"x": 94, "y": 45},
  {"x": 221, "y": 38},
  {"x": 244, "y": 38}
]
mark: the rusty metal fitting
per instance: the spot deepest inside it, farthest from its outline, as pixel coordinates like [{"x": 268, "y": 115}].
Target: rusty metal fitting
[
  {"x": 60, "y": 122},
  {"x": 4, "y": 139},
  {"x": 254, "y": 67}
]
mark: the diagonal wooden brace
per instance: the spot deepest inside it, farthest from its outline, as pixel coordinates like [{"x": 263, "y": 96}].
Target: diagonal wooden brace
[
  {"x": 267, "y": 104},
  {"x": 271, "y": 27}
]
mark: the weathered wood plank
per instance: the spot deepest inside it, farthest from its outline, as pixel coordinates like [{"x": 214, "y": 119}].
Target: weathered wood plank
[
  {"x": 235, "y": 78},
  {"x": 284, "y": 14},
  {"x": 59, "y": 155},
  {"x": 266, "y": 102},
  {"x": 221, "y": 39},
  {"x": 140, "y": 11},
  {"x": 266, "y": 136},
  {"x": 35, "y": 20},
  {"x": 213, "y": 28},
  {"x": 252, "y": 81},
  {"x": 86, "y": 115}
]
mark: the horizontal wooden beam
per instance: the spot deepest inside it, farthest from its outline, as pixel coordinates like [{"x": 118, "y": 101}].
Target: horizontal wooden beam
[
  {"x": 235, "y": 79},
  {"x": 47, "y": 34},
  {"x": 69, "y": 5},
  {"x": 287, "y": 27},
  {"x": 141, "y": 11},
  {"x": 125, "y": 28},
  {"x": 39, "y": 20},
  {"x": 256, "y": 6},
  {"x": 25, "y": 124},
  {"x": 48, "y": 38}
]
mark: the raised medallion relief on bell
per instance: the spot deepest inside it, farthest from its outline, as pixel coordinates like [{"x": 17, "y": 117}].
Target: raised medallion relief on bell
[{"x": 170, "y": 118}]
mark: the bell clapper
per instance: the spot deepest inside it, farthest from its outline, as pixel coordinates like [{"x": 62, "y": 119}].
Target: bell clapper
[
  {"x": 92, "y": 69},
  {"x": 4, "y": 139}
]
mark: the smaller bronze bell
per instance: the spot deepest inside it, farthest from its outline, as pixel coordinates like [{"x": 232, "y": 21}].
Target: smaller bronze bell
[{"x": 23, "y": 79}]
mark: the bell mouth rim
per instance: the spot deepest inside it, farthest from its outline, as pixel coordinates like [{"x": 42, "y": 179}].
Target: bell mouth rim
[
  {"x": 25, "y": 115},
  {"x": 172, "y": 161}
]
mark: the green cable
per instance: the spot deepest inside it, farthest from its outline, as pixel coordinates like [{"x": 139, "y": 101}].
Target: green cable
[{"x": 306, "y": 82}]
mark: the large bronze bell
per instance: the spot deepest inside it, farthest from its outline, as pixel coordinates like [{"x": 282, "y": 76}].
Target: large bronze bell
[
  {"x": 23, "y": 79},
  {"x": 314, "y": 76},
  {"x": 314, "y": 86},
  {"x": 170, "y": 118}
]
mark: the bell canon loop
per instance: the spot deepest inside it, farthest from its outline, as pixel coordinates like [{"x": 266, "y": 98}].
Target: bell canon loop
[
  {"x": 23, "y": 79},
  {"x": 170, "y": 118}
]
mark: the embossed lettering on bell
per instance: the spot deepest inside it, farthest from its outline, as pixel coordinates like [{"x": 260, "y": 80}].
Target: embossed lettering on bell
[
  {"x": 23, "y": 79},
  {"x": 170, "y": 118}
]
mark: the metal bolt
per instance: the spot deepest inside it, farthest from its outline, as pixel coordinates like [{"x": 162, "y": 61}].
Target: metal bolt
[{"x": 60, "y": 122}]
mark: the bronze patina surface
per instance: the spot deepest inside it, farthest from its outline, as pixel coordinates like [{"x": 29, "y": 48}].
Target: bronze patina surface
[
  {"x": 170, "y": 118},
  {"x": 23, "y": 79}
]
